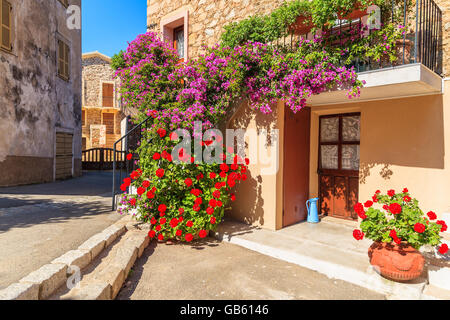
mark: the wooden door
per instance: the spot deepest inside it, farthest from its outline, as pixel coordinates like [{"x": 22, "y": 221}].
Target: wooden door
[
  {"x": 64, "y": 155},
  {"x": 339, "y": 143},
  {"x": 296, "y": 166},
  {"x": 108, "y": 95}
]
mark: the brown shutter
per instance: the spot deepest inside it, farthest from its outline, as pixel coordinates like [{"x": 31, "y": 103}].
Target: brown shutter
[
  {"x": 108, "y": 121},
  {"x": 108, "y": 95},
  {"x": 5, "y": 24},
  {"x": 66, "y": 61}
]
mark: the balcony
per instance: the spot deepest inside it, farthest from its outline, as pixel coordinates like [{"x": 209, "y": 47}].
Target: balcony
[{"x": 418, "y": 67}]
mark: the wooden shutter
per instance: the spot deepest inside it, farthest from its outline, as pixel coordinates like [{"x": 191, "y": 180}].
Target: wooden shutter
[
  {"x": 5, "y": 25},
  {"x": 63, "y": 60},
  {"x": 83, "y": 118},
  {"x": 108, "y": 95},
  {"x": 108, "y": 121}
]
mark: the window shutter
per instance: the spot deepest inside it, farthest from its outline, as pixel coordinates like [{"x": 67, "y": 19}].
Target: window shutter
[
  {"x": 66, "y": 61},
  {"x": 108, "y": 95},
  {"x": 63, "y": 60},
  {"x": 5, "y": 24}
]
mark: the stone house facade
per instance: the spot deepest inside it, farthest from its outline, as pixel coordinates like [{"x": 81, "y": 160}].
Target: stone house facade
[
  {"x": 102, "y": 116},
  {"x": 399, "y": 126},
  {"x": 40, "y": 91}
]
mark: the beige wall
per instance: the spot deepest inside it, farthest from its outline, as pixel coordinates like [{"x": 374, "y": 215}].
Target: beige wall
[
  {"x": 259, "y": 199},
  {"x": 403, "y": 144}
]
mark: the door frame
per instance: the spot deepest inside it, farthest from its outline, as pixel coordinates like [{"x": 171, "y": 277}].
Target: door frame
[{"x": 338, "y": 172}]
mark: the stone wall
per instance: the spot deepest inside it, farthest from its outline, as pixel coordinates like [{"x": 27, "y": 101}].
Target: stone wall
[
  {"x": 96, "y": 70},
  {"x": 208, "y": 17},
  {"x": 35, "y": 102}
]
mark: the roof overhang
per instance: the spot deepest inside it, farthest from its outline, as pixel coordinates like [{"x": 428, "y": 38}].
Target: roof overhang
[{"x": 389, "y": 83}]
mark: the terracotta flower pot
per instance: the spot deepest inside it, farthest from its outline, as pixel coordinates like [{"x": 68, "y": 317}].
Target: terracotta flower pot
[
  {"x": 396, "y": 262},
  {"x": 355, "y": 14}
]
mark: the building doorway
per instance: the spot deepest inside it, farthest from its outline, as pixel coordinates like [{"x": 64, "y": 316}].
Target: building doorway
[
  {"x": 339, "y": 145},
  {"x": 297, "y": 128}
]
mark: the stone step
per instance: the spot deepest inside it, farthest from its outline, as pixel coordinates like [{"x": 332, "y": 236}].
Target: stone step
[{"x": 104, "y": 277}]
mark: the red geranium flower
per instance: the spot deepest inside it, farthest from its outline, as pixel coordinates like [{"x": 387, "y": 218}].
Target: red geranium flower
[
  {"x": 151, "y": 234},
  {"x": 160, "y": 237},
  {"x": 231, "y": 183},
  {"x": 162, "y": 132},
  {"x": 210, "y": 211},
  {"x": 233, "y": 197},
  {"x": 213, "y": 203},
  {"x": 188, "y": 182},
  {"x": 196, "y": 208},
  {"x": 377, "y": 192},
  {"x": 158, "y": 228},
  {"x": 146, "y": 184},
  {"x": 443, "y": 249},
  {"x": 224, "y": 167},
  {"x": 216, "y": 194},
  {"x": 189, "y": 237},
  {"x": 395, "y": 208},
  {"x": 174, "y": 223},
  {"x": 173, "y": 136},
  {"x": 405, "y": 190},
  {"x": 432, "y": 215},
  {"x": 200, "y": 176},
  {"x": 181, "y": 211},
  {"x": 133, "y": 202},
  {"x": 127, "y": 182},
  {"x": 213, "y": 220},
  {"x": 129, "y": 156},
  {"x": 247, "y": 161},
  {"x": 391, "y": 193},
  {"x": 368, "y": 204},
  {"x": 156, "y": 156},
  {"x": 443, "y": 224},
  {"x": 160, "y": 173},
  {"x": 162, "y": 208},
  {"x": 189, "y": 224},
  {"x": 140, "y": 191},
  {"x": 419, "y": 228},
  {"x": 244, "y": 177},
  {"x": 123, "y": 187},
  {"x": 218, "y": 185},
  {"x": 162, "y": 221},
  {"x": 358, "y": 235},
  {"x": 375, "y": 198},
  {"x": 179, "y": 233},
  {"x": 212, "y": 175},
  {"x": 407, "y": 199},
  {"x": 153, "y": 221},
  {"x": 203, "y": 234},
  {"x": 196, "y": 192},
  {"x": 150, "y": 195},
  {"x": 223, "y": 174},
  {"x": 219, "y": 203}
]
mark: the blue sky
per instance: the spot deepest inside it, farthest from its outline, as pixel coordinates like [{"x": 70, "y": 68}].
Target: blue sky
[{"x": 107, "y": 25}]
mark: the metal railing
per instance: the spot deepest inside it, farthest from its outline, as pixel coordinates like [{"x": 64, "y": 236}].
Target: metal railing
[
  {"x": 101, "y": 159},
  {"x": 136, "y": 134},
  {"x": 421, "y": 43}
]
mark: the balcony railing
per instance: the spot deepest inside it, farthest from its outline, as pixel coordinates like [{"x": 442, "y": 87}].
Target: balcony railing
[{"x": 421, "y": 42}]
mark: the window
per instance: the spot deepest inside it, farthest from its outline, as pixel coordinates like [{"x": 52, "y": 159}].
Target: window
[
  {"x": 178, "y": 41},
  {"x": 5, "y": 25},
  {"x": 339, "y": 142},
  {"x": 65, "y": 3},
  {"x": 108, "y": 95},
  {"x": 108, "y": 121},
  {"x": 63, "y": 60}
]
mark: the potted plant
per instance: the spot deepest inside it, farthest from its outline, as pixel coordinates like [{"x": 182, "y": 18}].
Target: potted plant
[{"x": 399, "y": 229}]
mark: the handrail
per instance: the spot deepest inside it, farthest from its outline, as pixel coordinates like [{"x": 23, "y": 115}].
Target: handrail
[{"x": 133, "y": 130}]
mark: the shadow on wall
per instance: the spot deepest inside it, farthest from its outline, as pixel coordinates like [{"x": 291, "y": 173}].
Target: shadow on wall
[
  {"x": 402, "y": 132},
  {"x": 249, "y": 206}
]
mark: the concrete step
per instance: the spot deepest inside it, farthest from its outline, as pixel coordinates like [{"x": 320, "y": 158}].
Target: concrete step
[
  {"x": 104, "y": 277},
  {"x": 325, "y": 248}
]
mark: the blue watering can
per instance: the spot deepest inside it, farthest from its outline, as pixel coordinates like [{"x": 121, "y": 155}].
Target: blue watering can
[{"x": 313, "y": 215}]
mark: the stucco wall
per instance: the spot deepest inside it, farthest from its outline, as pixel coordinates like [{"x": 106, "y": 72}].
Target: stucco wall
[
  {"x": 34, "y": 101},
  {"x": 259, "y": 199},
  {"x": 404, "y": 143}
]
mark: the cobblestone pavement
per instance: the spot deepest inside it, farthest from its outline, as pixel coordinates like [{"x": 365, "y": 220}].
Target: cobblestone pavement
[{"x": 38, "y": 223}]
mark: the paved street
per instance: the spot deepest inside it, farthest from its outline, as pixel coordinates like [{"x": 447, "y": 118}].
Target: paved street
[
  {"x": 38, "y": 223},
  {"x": 214, "y": 270}
]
